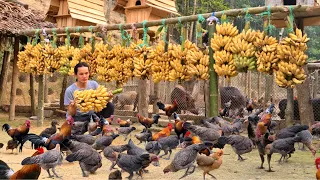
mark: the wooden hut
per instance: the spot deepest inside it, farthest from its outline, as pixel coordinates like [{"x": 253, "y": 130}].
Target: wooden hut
[
  {"x": 140, "y": 10},
  {"x": 15, "y": 16}
]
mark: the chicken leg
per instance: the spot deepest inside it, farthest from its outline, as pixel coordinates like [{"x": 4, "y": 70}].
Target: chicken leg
[
  {"x": 50, "y": 176},
  {"x": 112, "y": 165},
  {"x": 54, "y": 172},
  {"x": 82, "y": 166},
  {"x": 240, "y": 158},
  {"x": 269, "y": 159},
  {"x": 262, "y": 161},
  {"x": 212, "y": 175}
]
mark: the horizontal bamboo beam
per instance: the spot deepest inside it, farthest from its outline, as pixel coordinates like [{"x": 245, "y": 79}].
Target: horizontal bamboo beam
[{"x": 232, "y": 12}]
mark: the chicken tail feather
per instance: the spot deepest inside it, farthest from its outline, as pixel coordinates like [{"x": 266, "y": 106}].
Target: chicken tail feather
[
  {"x": 6, "y": 127},
  {"x": 31, "y": 160},
  {"x": 160, "y": 105},
  {"x": 156, "y": 118}
]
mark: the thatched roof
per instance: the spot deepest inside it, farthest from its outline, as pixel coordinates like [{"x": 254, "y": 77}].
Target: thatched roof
[{"x": 15, "y": 17}]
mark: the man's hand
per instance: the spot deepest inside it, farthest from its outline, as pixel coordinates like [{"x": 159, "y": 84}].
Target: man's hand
[{"x": 72, "y": 108}]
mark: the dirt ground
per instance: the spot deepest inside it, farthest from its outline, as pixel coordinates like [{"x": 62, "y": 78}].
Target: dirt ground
[{"x": 299, "y": 166}]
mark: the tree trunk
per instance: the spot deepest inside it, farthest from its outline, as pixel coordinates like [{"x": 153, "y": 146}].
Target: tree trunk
[
  {"x": 4, "y": 71},
  {"x": 156, "y": 97},
  {"x": 268, "y": 87},
  {"x": 259, "y": 82},
  {"x": 289, "y": 109},
  {"x": 40, "y": 101},
  {"x": 15, "y": 73},
  {"x": 32, "y": 96},
  {"x": 63, "y": 90},
  {"x": 107, "y": 10},
  {"x": 207, "y": 98},
  {"x": 305, "y": 105}
]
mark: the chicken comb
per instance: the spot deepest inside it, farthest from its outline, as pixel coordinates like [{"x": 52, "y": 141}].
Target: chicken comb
[
  {"x": 187, "y": 134},
  {"x": 40, "y": 150},
  {"x": 317, "y": 162}
]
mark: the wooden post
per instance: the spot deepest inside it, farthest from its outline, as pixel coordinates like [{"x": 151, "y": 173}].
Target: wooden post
[
  {"x": 32, "y": 96},
  {"x": 289, "y": 109},
  {"x": 249, "y": 84},
  {"x": 268, "y": 86},
  {"x": 207, "y": 98},
  {"x": 143, "y": 102},
  {"x": 45, "y": 88},
  {"x": 4, "y": 71},
  {"x": 156, "y": 96},
  {"x": 259, "y": 84},
  {"x": 40, "y": 101},
  {"x": 213, "y": 81},
  {"x": 15, "y": 73},
  {"x": 63, "y": 90},
  {"x": 303, "y": 91},
  {"x": 316, "y": 83}
]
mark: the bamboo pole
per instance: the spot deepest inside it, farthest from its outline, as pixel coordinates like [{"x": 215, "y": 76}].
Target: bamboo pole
[
  {"x": 289, "y": 109},
  {"x": 40, "y": 101},
  {"x": 63, "y": 90},
  {"x": 15, "y": 73},
  {"x": 232, "y": 12},
  {"x": 213, "y": 81}
]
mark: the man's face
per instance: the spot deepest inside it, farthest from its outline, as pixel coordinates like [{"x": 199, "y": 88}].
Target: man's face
[{"x": 83, "y": 74}]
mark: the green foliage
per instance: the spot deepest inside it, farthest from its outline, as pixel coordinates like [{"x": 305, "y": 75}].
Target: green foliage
[{"x": 313, "y": 51}]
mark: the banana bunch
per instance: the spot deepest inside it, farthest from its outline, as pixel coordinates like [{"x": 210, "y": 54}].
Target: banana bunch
[
  {"x": 203, "y": 67},
  {"x": 289, "y": 75},
  {"x": 244, "y": 51},
  {"x": 291, "y": 53},
  {"x": 161, "y": 65},
  {"x": 114, "y": 64},
  {"x": 86, "y": 55},
  {"x": 51, "y": 58},
  {"x": 66, "y": 53},
  {"x": 36, "y": 64},
  {"x": 221, "y": 43},
  {"x": 267, "y": 59},
  {"x": 95, "y": 100},
  {"x": 292, "y": 49},
  {"x": 24, "y": 58},
  {"x": 224, "y": 64},
  {"x": 102, "y": 51},
  {"x": 142, "y": 65},
  {"x": 227, "y": 29}
]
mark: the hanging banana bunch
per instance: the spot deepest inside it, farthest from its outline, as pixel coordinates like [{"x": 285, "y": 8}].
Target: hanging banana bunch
[
  {"x": 24, "y": 58},
  {"x": 142, "y": 65},
  {"x": 160, "y": 62},
  {"x": 51, "y": 58},
  {"x": 66, "y": 53},
  {"x": 102, "y": 51},
  {"x": 221, "y": 44},
  {"x": 267, "y": 59},
  {"x": 86, "y": 55},
  {"x": 243, "y": 50},
  {"x": 175, "y": 56},
  {"x": 292, "y": 56},
  {"x": 37, "y": 63}
]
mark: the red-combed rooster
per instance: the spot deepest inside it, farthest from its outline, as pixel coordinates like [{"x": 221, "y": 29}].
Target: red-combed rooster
[
  {"x": 178, "y": 126},
  {"x": 51, "y": 142},
  {"x": 19, "y": 132},
  {"x": 124, "y": 123},
  {"x": 147, "y": 122},
  {"x": 165, "y": 132},
  {"x": 168, "y": 109},
  {"x": 31, "y": 171}
]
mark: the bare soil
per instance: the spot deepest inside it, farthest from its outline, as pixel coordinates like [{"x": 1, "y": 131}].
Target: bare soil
[{"x": 299, "y": 166}]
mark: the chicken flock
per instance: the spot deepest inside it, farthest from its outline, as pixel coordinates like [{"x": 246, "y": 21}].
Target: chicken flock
[{"x": 194, "y": 145}]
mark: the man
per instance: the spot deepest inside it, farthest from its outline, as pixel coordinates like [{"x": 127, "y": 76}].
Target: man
[{"x": 81, "y": 72}]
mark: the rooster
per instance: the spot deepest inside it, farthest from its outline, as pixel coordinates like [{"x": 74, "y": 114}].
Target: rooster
[
  {"x": 48, "y": 160},
  {"x": 147, "y": 122},
  {"x": 124, "y": 123},
  {"x": 168, "y": 109},
  {"x": 165, "y": 132},
  {"x": 178, "y": 126},
  {"x": 31, "y": 171},
  {"x": 5, "y": 171},
  {"x": 19, "y": 132},
  {"x": 50, "y": 142}
]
